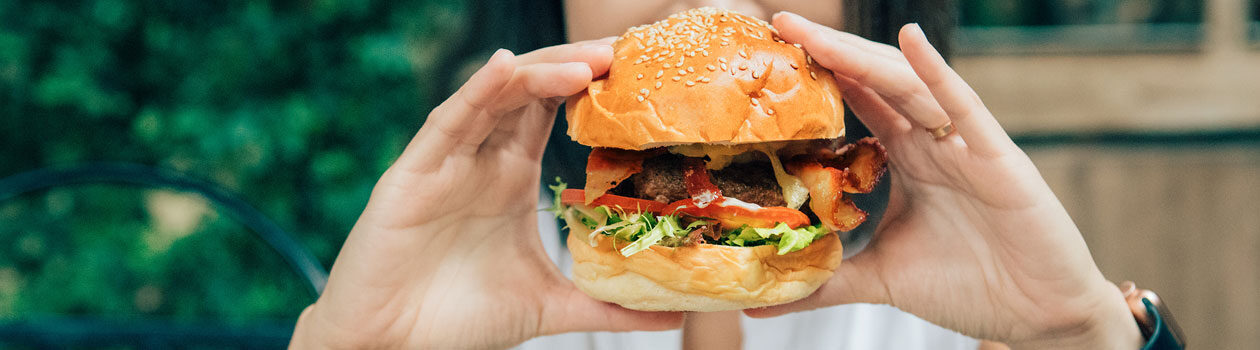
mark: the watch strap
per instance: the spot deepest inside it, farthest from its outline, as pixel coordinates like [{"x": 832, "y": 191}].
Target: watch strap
[{"x": 1162, "y": 337}]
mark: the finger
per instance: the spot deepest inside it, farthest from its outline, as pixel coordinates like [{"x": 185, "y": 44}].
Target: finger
[
  {"x": 541, "y": 81},
  {"x": 883, "y": 121},
  {"x": 550, "y": 82},
  {"x": 595, "y": 53},
  {"x": 974, "y": 122},
  {"x": 458, "y": 120},
  {"x": 876, "y": 48},
  {"x": 892, "y": 79},
  {"x": 855, "y": 281},
  {"x": 571, "y": 72},
  {"x": 569, "y": 310}
]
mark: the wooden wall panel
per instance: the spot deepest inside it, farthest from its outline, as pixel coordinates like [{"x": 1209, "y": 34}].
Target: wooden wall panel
[{"x": 1182, "y": 221}]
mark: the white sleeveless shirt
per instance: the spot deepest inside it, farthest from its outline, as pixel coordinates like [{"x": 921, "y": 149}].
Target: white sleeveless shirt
[{"x": 855, "y": 326}]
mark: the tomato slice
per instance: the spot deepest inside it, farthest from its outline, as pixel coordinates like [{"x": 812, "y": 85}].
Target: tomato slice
[
  {"x": 733, "y": 213},
  {"x": 573, "y": 196}
]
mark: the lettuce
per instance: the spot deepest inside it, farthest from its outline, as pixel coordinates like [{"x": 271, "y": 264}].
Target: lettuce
[
  {"x": 644, "y": 230},
  {"x": 556, "y": 207},
  {"x": 785, "y": 238}
]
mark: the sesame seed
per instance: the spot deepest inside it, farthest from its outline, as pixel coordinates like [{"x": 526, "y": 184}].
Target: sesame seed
[
  {"x": 743, "y": 66},
  {"x": 743, "y": 54},
  {"x": 659, "y": 73},
  {"x": 755, "y": 102},
  {"x": 723, "y": 66},
  {"x": 756, "y": 75},
  {"x": 640, "y": 97},
  {"x": 682, "y": 72},
  {"x": 809, "y": 60},
  {"x": 640, "y": 76},
  {"x": 722, "y": 59},
  {"x": 813, "y": 76},
  {"x": 797, "y": 45},
  {"x": 705, "y": 53},
  {"x": 658, "y": 85},
  {"x": 795, "y": 66},
  {"x": 668, "y": 66},
  {"x": 643, "y": 91},
  {"x": 710, "y": 67},
  {"x": 691, "y": 83},
  {"x": 691, "y": 69},
  {"x": 704, "y": 79},
  {"x": 677, "y": 78},
  {"x": 769, "y": 111}
]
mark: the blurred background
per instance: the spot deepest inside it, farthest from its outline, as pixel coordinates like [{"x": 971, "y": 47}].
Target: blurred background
[{"x": 180, "y": 173}]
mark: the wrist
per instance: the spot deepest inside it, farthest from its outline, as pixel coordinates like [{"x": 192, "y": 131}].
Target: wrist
[
  {"x": 315, "y": 331},
  {"x": 1108, "y": 325}
]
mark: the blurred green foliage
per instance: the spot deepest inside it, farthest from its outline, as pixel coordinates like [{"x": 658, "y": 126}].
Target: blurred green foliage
[{"x": 297, "y": 106}]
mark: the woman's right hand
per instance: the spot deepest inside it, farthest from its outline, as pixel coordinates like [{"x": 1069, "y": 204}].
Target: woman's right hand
[
  {"x": 973, "y": 239},
  {"x": 447, "y": 253}
]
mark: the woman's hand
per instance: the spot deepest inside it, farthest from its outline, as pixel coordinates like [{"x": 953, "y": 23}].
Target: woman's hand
[
  {"x": 973, "y": 239},
  {"x": 447, "y": 253}
]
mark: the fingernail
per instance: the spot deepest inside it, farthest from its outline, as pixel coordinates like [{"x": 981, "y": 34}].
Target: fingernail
[
  {"x": 917, "y": 29},
  {"x": 500, "y": 53},
  {"x": 788, "y": 16}
]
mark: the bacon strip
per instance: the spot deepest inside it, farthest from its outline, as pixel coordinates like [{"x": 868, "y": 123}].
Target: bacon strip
[
  {"x": 608, "y": 167},
  {"x": 857, "y": 170},
  {"x": 865, "y": 161}
]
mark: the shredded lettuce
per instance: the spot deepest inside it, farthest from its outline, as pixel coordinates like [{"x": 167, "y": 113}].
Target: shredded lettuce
[
  {"x": 556, "y": 207},
  {"x": 644, "y": 230}
]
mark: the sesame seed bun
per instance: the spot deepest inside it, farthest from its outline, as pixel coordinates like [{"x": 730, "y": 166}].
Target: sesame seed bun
[
  {"x": 701, "y": 277},
  {"x": 706, "y": 76}
]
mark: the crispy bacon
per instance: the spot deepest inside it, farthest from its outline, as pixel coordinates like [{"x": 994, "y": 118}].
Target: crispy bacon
[
  {"x": 865, "y": 161},
  {"x": 608, "y": 167},
  {"x": 856, "y": 170}
]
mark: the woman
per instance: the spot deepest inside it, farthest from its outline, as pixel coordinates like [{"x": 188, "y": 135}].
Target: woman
[{"x": 446, "y": 253}]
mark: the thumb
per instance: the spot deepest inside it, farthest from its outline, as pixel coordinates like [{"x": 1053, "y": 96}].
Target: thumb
[
  {"x": 857, "y": 280},
  {"x": 570, "y": 310}
]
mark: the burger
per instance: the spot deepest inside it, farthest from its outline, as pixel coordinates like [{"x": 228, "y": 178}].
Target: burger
[{"x": 718, "y": 173}]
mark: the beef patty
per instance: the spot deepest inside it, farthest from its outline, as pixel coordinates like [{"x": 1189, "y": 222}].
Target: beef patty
[{"x": 662, "y": 180}]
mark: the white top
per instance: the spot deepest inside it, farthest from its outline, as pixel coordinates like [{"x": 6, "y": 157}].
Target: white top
[{"x": 855, "y": 326}]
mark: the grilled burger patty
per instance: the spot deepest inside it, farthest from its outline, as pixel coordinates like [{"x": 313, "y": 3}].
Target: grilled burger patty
[{"x": 662, "y": 180}]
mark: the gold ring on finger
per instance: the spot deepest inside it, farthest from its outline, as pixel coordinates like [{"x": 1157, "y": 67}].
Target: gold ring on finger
[{"x": 942, "y": 131}]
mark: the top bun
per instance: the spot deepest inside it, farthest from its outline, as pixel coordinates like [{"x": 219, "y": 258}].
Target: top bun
[{"x": 706, "y": 76}]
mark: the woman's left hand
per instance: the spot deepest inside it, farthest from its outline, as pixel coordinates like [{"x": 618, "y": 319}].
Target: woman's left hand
[{"x": 973, "y": 239}]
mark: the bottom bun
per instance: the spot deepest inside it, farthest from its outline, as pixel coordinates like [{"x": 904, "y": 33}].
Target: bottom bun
[{"x": 701, "y": 277}]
